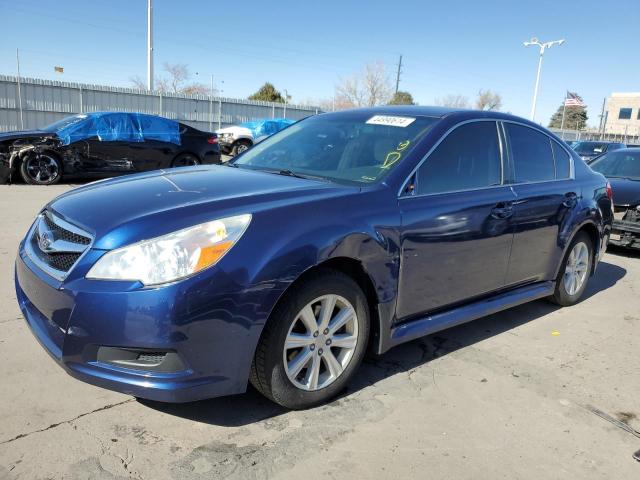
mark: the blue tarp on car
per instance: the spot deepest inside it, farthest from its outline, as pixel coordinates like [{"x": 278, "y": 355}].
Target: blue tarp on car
[
  {"x": 120, "y": 126},
  {"x": 266, "y": 127}
]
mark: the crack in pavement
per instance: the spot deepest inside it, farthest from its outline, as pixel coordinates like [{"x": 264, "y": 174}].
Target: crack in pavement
[{"x": 54, "y": 425}]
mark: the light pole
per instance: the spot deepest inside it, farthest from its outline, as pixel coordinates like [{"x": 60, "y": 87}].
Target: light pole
[
  {"x": 149, "y": 44},
  {"x": 220, "y": 105},
  {"x": 286, "y": 95},
  {"x": 543, "y": 47}
]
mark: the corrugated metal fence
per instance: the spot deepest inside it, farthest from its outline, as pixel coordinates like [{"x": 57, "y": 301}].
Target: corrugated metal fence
[{"x": 45, "y": 101}]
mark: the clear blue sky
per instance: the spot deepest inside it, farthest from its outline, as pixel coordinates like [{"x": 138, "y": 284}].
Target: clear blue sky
[{"x": 449, "y": 47}]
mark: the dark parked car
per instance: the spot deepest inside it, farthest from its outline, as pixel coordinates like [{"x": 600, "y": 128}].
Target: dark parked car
[
  {"x": 588, "y": 150},
  {"x": 359, "y": 228},
  {"x": 96, "y": 145},
  {"x": 622, "y": 168}
]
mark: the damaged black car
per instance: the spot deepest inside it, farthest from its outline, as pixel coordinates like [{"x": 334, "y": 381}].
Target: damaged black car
[
  {"x": 622, "y": 168},
  {"x": 102, "y": 144}
]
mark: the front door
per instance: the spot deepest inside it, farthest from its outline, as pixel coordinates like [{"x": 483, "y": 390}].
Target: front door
[{"x": 456, "y": 229}]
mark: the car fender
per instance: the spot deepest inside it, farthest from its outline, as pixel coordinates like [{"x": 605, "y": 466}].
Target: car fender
[
  {"x": 357, "y": 237},
  {"x": 585, "y": 213}
]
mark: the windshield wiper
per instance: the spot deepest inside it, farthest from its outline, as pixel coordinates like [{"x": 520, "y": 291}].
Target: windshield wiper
[{"x": 289, "y": 173}]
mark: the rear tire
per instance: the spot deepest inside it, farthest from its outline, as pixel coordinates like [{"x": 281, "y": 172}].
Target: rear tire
[
  {"x": 575, "y": 272},
  {"x": 41, "y": 169},
  {"x": 329, "y": 355},
  {"x": 185, "y": 160}
]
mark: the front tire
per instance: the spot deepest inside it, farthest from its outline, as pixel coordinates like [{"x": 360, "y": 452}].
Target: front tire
[
  {"x": 574, "y": 275},
  {"x": 41, "y": 169},
  {"x": 313, "y": 342},
  {"x": 240, "y": 146}
]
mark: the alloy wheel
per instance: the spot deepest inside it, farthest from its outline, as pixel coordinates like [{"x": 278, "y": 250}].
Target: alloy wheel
[
  {"x": 42, "y": 168},
  {"x": 320, "y": 343},
  {"x": 575, "y": 272},
  {"x": 242, "y": 148}
]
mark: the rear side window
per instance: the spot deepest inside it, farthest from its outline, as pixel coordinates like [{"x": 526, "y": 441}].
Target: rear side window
[
  {"x": 531, "y": 153},
  {"x": 468, "y": 158},
  {"x": 563, "y": 161}
]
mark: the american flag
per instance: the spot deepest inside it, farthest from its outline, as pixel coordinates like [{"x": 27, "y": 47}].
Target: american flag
[{"x": 573, "y": 100}]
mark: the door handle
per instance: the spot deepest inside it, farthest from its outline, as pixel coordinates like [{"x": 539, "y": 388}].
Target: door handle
[
  {"x": 570, "y": 200},
  {"x": 502, "y": 210}
]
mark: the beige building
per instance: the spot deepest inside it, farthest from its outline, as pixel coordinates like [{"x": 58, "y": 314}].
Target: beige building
[{"x": 622, "y": 114}]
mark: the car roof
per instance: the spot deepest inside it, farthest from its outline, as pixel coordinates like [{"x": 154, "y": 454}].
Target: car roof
[{"x": 437, "y": 112}]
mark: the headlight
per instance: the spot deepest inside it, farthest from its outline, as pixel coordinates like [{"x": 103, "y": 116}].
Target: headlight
[{"x": 173, "y": 256}]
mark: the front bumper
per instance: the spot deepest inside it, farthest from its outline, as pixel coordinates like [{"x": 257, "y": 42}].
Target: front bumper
[
  {"x": 625, "y": 234},
  {"x": 213, "y": 335}
]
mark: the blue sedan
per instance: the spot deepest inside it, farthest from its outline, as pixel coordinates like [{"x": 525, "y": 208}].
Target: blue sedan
[{"x": 347, "y": 231}]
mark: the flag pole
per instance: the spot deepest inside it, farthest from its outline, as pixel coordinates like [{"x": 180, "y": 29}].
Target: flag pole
[{"x": 564, "y": 109}]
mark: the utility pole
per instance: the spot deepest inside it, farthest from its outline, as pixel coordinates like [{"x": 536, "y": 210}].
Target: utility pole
[
  {"x": 149, "y": 44},
  {"x": 543, "y": 47},
  {"x": 398, "y": 73},
  {"x": 604, "y": 101},
  {"x": 19, "y": 94},
  {"x": 211, "y": 106}
]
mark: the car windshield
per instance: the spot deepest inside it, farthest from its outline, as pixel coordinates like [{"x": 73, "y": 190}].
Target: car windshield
[
  {"x": 354, "y": 148},
  {"x": 65, "y": 122},
  {"x": 620, "y": 163},
  {"x": 589, "y": 148}
]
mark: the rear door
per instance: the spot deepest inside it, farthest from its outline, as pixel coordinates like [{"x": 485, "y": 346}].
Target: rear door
[
  {"x": 456, "y": 229},
  {"x": 540, "y": 174}
]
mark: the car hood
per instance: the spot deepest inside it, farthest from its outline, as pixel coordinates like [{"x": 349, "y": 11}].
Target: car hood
[
  {"x": 235, "y": 131},
  {"x": 625, "y": 191},
  {"x": 25, "y": 134},
  {"x": 136, "y": 207}
]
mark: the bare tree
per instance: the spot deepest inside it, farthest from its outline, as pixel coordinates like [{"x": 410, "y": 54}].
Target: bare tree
[
  {"x": 178, "y": 74},
  {"x": 138, "y": 83},
  {"x": 368, "y": 88},
  {"x": 454, "y": 101},
  {"x": 197, "y": 89},
  {"x": 377, "y": 86},
  {"x": 173, "y": 82},
  {"x": 349, "y": 94},
  {"x": 488, "y": 100}
]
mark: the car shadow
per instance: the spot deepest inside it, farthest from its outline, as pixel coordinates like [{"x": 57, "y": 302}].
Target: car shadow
[
  {"x": 251, "y": 407},
  {"x": 623, "y": 252}
]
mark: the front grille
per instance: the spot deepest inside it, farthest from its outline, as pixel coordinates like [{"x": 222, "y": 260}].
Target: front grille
[
  {"x": 63, "y": 246},
  {"x": 63, "y": 234},
  {"x": 63, "y": 261}
]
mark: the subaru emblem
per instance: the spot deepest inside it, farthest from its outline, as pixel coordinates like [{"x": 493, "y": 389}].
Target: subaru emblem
[{"x": 44, "y": 241}]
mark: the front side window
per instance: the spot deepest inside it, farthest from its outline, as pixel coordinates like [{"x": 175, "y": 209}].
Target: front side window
[
  {"x": 531, "y": 154},
  {"x": 624, "y": 114},
  {"x": 562, "y": 160},
  {"x": 468, "y": 158},
  {"x": 353, "y": 148}
]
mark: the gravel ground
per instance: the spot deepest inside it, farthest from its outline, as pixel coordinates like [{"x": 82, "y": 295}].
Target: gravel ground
[{"x": 533, "y": 392}]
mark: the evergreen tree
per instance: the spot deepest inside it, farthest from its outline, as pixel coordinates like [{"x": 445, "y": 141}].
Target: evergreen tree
[
  {"x": 575, "y": 117},
  {"x": 267, "y": 93}
]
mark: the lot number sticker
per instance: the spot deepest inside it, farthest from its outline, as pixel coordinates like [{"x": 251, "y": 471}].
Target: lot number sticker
[{"x": 390, "y": 121}]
